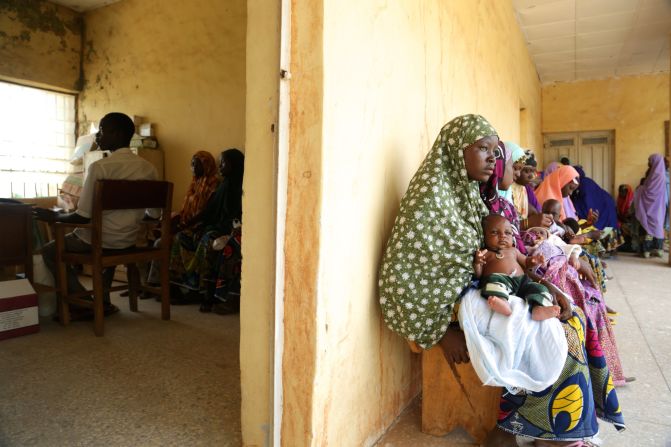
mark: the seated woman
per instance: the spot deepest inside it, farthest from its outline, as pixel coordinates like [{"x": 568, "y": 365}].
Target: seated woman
[
  {"x": 558, "y": 185},
  {"x": 223, "y": 281},
  {"x": 523, "y": 196},
  {"x": 591, "y": 201},
  {"x": 193, "y": 263},
  {"x": 188, "y": 226},
  {"x": 427, "y": 265}
]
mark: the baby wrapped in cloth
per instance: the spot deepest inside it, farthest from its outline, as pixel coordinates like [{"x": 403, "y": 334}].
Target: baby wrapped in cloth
[{"x": 513, "y": 351}]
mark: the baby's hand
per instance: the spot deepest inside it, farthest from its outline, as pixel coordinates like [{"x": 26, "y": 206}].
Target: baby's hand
[
  {"x": 479, "y": 257},
  {"x": 534, "y": 261}
]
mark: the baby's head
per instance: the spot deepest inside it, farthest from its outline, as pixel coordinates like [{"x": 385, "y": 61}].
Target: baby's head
[
  {"x": 534, "y": 236},
  {"x": 498, "y": 232},
  {"x": 552, "y": 206},
  {"x": 572, "y": 224}
]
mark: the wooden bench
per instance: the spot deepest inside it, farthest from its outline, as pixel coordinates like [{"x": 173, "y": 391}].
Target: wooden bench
[{"x": 454, "y": 397}]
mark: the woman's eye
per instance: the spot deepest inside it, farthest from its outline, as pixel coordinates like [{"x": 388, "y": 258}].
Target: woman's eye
[{"x": 498, "y": 153}]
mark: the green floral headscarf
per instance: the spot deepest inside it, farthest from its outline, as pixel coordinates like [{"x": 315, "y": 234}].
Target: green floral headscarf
[{"x": 428, "y": 260}]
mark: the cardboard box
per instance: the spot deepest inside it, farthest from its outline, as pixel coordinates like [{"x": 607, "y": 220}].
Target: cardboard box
[{"x": 18, "y": 309}]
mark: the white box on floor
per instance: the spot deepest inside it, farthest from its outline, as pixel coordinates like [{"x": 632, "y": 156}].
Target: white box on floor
[{"x": 18, "y": 309}]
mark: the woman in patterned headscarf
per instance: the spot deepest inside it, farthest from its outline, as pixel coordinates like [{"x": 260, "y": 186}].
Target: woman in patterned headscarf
[
  {"x": 522, "y": 197},
  {"x": 189, "y": 224},
  {"x": 427, "y": 264},
  {"x": 429, "y": 256},
  {"x": 203, "y": 184}
]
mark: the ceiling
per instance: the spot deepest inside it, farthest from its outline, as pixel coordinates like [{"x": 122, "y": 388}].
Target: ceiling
[
  {"x": 572, "y": 40},
  {"x": 84, "y": 5}
]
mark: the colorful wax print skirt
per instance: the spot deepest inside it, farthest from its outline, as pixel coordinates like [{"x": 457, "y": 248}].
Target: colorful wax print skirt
[{"x": 568, "y": 409}]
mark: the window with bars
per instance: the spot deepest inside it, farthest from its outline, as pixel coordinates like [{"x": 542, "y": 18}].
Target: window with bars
[{"x": 37, "y": 140}]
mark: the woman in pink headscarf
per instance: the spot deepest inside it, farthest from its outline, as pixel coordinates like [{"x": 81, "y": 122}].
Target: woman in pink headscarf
[
  {"x": 650, "y": 207},
  {"x": 559, "y": 185}
]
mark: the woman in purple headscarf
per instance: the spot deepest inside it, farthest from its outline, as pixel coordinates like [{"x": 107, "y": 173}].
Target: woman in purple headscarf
[
  {"x": 501, "y": 179},
  {"x": 650, "y": 207}
]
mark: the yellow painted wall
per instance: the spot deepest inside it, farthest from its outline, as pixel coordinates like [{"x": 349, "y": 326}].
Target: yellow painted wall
[
  {"x": 634, "y": 106},
  {"x": 179, "y": 64},
  {"x": 378, "y": 80},
  {"x": 40, "y": 44}
]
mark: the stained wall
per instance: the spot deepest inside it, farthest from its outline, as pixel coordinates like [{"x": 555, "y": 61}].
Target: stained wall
[
  {"x": 40, "y": 44},
  {"x": 378, "y": 80},
  {"x": 634, "y": 106},
  {"x": 180, "y": 65}
]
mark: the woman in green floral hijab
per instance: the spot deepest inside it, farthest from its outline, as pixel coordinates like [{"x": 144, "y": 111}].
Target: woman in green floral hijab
[
  {"x": 428, "y": 263},
  {"x": 428, "y": 259}
]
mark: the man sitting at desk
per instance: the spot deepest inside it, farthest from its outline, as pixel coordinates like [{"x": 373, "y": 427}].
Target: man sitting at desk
[{"x": 119, "y": 227}]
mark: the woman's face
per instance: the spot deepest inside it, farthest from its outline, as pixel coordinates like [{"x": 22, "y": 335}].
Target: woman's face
[
  {"x": 526, "y": 175},
  {"x": 568, "y": 188},
  {"x": 480, "y": 159},
  {"x": 225, "y": 167},
  {"x": 197, "y": 168},
  {"x": 622, "y": 190}
]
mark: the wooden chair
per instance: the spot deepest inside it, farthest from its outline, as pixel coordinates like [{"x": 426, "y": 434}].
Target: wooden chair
[
  {"x": 116, "y": 195},
  {"x": 16, "y": 247},
  {"x": 453, "y": 396}
]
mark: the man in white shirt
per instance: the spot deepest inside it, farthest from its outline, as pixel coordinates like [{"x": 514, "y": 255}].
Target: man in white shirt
[{"x": 119, "y": 227}]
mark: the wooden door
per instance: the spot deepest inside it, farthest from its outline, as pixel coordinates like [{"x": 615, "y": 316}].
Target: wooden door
[
  {"x": 559, "y": 145},
  {"x": 593, "y": 150},
  {"x": 596, "y": 158}
]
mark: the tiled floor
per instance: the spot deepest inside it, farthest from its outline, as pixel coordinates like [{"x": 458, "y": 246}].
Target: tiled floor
[
  {"x": 147, "y": 382},
  {"x": 641, "y": 292}
]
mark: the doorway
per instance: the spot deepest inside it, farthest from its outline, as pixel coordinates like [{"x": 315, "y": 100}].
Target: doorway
[{"x": 593, "y": 150}]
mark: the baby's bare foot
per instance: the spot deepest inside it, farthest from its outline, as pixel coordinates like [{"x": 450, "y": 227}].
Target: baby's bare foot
[
  {"x": 499, "y": 305},
  {"x": 540, "y": 313}
]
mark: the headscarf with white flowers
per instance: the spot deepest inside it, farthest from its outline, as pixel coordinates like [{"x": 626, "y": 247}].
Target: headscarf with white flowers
[{"x": 428, "y": 260}]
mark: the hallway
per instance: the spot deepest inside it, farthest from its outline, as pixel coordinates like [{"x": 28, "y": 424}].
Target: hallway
[{"x": 640, "y": 292}]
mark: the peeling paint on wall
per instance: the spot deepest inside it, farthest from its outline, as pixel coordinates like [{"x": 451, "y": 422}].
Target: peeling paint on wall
[
  {"x": 40, "y": 43},
  {"x": 178, "y": 64}
]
